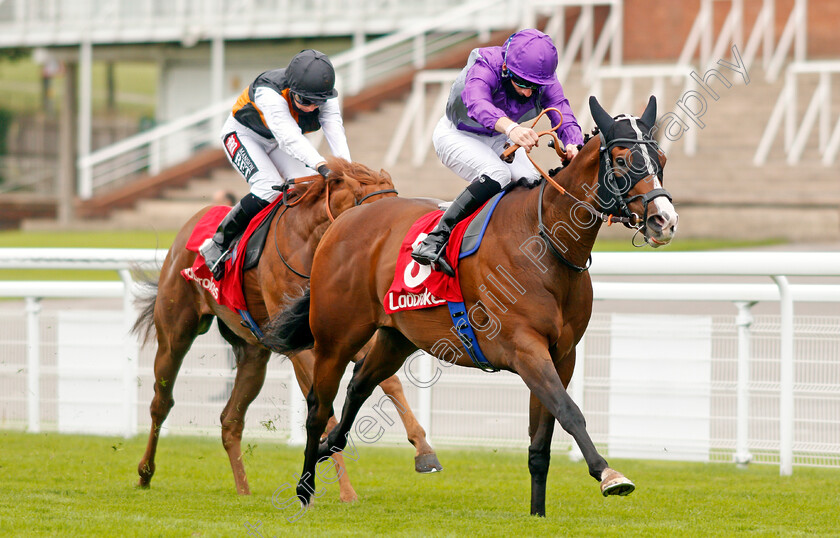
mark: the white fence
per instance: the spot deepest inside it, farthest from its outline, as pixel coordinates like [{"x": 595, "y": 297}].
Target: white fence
[{"x": 744, "y": 388}]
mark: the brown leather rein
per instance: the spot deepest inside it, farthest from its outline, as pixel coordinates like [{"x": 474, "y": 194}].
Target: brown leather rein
[
  {"x": 507, "y": 156},
  {"x": 309, "y": 180}
]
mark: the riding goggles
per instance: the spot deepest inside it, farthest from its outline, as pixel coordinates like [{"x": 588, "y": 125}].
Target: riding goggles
[
  {"x": 522, "y": 83},
  {"x": 304, "y": 101}
]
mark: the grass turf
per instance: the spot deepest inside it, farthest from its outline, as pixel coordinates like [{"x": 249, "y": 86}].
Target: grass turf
[{"x": 59, "y": 485}]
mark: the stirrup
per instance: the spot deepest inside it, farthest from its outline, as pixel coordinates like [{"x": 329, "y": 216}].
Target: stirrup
[{"x": 441, "y": 264}]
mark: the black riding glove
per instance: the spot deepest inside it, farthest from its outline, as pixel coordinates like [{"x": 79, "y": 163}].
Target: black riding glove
[{"x": 324, "y": 171}]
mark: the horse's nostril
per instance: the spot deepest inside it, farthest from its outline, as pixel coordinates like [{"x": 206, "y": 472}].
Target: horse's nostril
[{"x": 656, "y": 222}]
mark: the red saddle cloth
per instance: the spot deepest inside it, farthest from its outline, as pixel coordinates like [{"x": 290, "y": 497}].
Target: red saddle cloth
[
  {"x": 228, "y": 292},
  {"x": 416, "y": 286}
]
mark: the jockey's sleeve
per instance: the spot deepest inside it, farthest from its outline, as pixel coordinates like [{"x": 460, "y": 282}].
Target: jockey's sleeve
[
  {"x": 477, "y": 95},
  {"x": 553, "y": 97},
  {"x": 329, "y": 115},
  {"x": 285, "y": 129}
]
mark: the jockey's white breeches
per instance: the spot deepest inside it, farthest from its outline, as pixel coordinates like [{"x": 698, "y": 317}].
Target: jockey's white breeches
[
  {"x": 470, "y": 155},
  {"x": 263, "y": 164}
]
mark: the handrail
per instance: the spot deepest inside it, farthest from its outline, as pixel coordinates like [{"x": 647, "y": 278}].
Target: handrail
[
  {"x": 819, "y": 107},
  {"x": 776, "y": 265},
  {"x": 624, "y": 100},
  {"x": 580, "y": 42},
  {"x": 702, "y": 33}
]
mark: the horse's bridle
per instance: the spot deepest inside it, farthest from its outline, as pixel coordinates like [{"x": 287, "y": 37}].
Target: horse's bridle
[
  {"x": 286, "y": 187},
  {"x": 607, "y": 182},
  {"x": 623, "y": 215}
]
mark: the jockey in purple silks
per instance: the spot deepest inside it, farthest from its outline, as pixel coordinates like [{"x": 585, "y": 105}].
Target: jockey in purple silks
[{"x": 499, "y": 87}]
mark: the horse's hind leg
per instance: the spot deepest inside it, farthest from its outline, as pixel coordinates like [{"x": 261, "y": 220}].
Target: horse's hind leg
[
  {"x": 251, "y": 364},
  {"x": 425, "y": 459},
  {"x": 304, "y": 365},
  {"x": 176, "y": 330}
]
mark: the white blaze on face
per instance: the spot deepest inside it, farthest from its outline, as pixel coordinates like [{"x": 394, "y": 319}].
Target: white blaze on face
[{"x": 664, "y": 207}]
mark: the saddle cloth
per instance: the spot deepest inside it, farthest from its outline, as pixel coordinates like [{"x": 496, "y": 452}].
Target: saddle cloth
[
  {"x": 244, "y": 255},
  {"x": 416, "y": 286}
]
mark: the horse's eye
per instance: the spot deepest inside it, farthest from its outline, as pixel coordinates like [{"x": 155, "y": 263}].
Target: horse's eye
[{"x": 619, "y": 161}]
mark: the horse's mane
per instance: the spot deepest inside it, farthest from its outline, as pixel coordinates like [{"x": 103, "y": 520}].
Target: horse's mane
[
  {"x": 352, "y": 174},
  {"x": 343, "y": 169}
]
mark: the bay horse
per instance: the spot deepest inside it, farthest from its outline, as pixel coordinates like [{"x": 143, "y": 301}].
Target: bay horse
[
  {"x": 532, "y": 334},
  {"x": 177, "y": 311}
]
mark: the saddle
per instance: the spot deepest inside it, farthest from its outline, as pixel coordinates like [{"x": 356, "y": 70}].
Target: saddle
[{"x": 256, "y": 243}]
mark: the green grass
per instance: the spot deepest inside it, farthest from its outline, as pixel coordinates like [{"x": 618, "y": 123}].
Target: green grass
[
  {"x": 685, "y": 245},
  {"x": 99, "y": 239},
  {"x": 135, "y": 82},
  {"x": 55, "y": 485}
]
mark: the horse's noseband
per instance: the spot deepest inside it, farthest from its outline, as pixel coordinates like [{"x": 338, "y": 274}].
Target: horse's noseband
[{"x": 608, "y": 189}]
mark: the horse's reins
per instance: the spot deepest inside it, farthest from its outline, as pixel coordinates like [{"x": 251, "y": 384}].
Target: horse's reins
[
  {"x": 287, "y": 204},
  {"x": 558, "y": 148}
]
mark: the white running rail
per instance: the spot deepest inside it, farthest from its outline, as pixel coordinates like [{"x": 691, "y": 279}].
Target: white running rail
[
  {"x": 777, "y": 266},
  {"x": 819, "y": 109}
]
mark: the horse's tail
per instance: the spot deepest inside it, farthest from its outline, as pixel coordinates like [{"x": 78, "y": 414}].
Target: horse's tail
[
  {"x": 288, "y": 332},
  {"x": 145, "y": 300}
]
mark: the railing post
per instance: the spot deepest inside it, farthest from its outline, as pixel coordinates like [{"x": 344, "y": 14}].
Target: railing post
[
  {"x": 769, "y": 33},
  {"x": 419, "y": 51},
  {"x": 418, "y": 143},
  {"x": 357, "y": 70},
  {"x": 33, "y": 363},
  {"x": 297, "y": 412},
  {"x": 424, "y": 394},
  {"x": 786, "y": 378},
  {"x": 130, "y": 356},
  {"x": 576, "y": 390},
  {"x": 800, "y": 44},
  {"x": 743, "y": 321},
  {"x": 790, "y": 110},
  {"x": 825, "y": 110},
  {"x": 85, "y": 123}
]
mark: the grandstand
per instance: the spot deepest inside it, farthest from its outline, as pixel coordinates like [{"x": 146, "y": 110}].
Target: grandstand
[{"x": 749, "y": 172}]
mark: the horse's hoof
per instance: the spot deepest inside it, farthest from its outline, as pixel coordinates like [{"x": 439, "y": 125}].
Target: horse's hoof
[
  {"x": 143, "y": 484},
  {"x": 348, "y": 497},
  {"x": 615, "y": 483},
  {"x": 304, "y": 496},
  {"x": 427, "y": 463}
]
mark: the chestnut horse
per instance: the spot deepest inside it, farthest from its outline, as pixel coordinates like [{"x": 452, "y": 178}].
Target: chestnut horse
[
  {"x": 533, "y": 334},
  {"x": 178, "y": 311}
]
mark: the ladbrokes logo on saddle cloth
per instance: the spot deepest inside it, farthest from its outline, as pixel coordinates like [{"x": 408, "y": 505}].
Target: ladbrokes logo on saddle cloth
[{"x": 416, "y": 286}]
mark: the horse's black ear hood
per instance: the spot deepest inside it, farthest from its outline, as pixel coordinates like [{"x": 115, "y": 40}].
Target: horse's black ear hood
[
  {"x": 603, "y": 120},
  {"x": 649, "y": 115}
]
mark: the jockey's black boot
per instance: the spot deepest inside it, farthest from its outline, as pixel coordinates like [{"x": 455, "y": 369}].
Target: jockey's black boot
[
  {"x": 215, "y": 249},
  {"x": 431, "y": 250}
]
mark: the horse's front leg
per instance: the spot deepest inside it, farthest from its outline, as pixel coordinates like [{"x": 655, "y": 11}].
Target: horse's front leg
[
  {"x": 329, "y": 367},
  {"x": 304, "y": 366},
  {"x": 533, "y": 363},
  {"x": 541, "y": 430}
]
